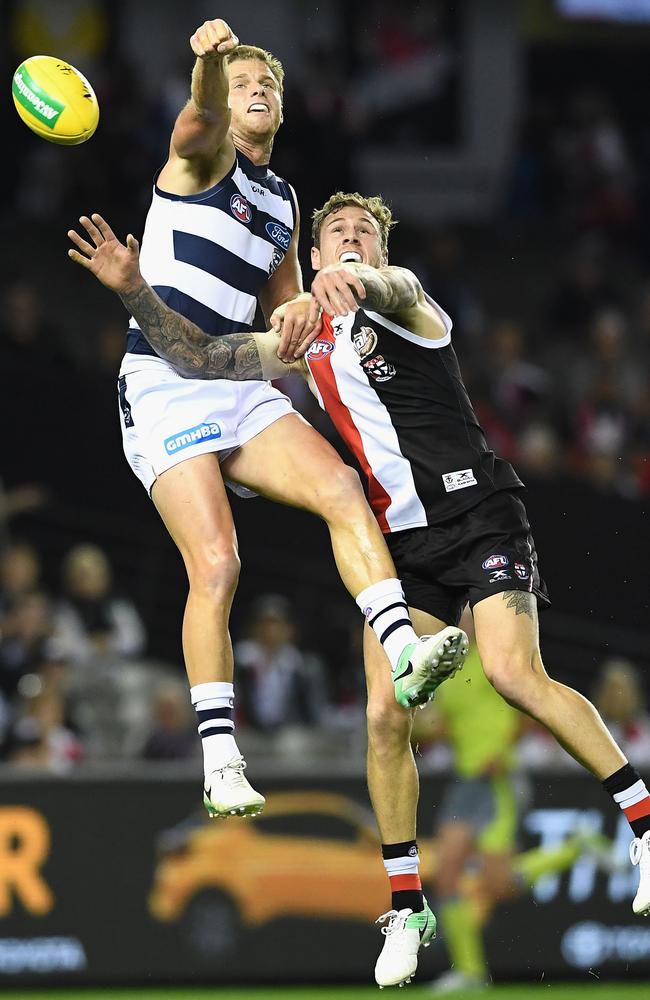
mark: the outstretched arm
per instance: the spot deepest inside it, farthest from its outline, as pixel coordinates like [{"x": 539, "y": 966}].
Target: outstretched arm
[
  {"x": 202, "y": 126},
  {"x": 193, "y": 353}
]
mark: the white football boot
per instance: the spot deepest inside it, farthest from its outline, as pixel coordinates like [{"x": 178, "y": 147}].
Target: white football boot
[
  {"x": 228, "y": 793},
  {"x": 640, "y": 855},
  {"x": 404, "y": 933}
]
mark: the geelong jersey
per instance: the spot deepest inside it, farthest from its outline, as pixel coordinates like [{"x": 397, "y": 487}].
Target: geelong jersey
[
  {"x": 399, "y": 403},
  {"x": 208, "y": 255}
]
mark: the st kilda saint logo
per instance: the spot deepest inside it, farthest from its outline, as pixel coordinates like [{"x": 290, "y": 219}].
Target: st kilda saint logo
[{"x": 364, "y": 341}]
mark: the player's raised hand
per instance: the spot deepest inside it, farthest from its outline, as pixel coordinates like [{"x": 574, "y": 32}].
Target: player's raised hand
[
  {"x": 213, "y": 38},
  {"x": 114, "y": 264},
  {"x": 297, "y": 331},
  {"x": 337, "y": 290}
]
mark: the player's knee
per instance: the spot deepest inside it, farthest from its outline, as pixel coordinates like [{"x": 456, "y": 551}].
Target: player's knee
[
  {"x": 511, "y": 674},
  {"x": 344, "y": 491},
  {"x": 389, "y": 726},
  {"x": 214, "y": 571}
]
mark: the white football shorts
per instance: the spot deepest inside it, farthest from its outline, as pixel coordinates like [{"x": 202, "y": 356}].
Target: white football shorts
[{"x": 166, "y": 419}]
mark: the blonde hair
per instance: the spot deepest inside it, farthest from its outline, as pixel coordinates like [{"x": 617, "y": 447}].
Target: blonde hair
[
  {"x": 254, "y": 52},
  {"x": 375, "y": 205}
]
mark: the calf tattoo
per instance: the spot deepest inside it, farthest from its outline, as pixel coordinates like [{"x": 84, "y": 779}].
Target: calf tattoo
[
  {"x": 521, "y": 601},
  {"x": 193, "y": 353}
]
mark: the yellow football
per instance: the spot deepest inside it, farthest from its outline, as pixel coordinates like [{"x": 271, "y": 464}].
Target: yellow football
[{"x": 55, "y": 100}]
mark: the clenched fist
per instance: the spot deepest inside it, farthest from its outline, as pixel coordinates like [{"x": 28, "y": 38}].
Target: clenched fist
[{"x": 213, "y": 38}]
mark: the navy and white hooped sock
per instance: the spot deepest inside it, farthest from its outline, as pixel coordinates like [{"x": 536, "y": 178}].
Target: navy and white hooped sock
[
  {"x": 386, "y": 610},
  {"x": 214, "y": 703}
]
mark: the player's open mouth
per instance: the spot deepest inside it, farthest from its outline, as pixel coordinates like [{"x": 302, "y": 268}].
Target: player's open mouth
[
  {"x": 350, "y": 257},
  {"x": 260, "y": 107}
]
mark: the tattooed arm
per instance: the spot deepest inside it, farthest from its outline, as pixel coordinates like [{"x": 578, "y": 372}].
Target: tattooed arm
[
  {"x": 193, "y": 353},
  {"x": 391, "y": 291},
  {"x": 388, "y": 289}
]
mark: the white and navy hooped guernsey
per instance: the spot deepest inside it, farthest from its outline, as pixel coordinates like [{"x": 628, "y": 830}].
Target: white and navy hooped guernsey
[
  {"x": 209, "y": 255},
  {"x": 399, "y": 403}
]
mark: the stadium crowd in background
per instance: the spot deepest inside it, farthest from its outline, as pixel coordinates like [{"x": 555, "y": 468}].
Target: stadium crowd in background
[{"x": 558, "y": 366}]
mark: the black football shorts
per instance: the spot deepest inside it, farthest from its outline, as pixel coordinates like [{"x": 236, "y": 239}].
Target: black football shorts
[{"x": 486, "y": 550}]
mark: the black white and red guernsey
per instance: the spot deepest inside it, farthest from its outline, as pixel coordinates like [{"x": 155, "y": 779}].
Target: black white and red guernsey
[{"x": 399, "y": 403}]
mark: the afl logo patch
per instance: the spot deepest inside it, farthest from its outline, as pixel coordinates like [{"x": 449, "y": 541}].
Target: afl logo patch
[
  {"x": 240, "y": 208},
  {"x": 496, "y": 562},
  {"x": 279, "y": 234},
  {"x": 320, "y": 349}
]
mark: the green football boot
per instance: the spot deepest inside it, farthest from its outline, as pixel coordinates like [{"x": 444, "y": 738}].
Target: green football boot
[{"x": 424, "y": 665}]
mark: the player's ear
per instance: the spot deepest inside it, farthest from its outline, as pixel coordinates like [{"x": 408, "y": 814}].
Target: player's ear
[{"x": 315, "y": 258}]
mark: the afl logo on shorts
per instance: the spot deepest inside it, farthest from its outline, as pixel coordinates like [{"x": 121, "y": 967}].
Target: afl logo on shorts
[
  {"x": 496, "y": 562},
  {"x": 320, "y": 349},
  {"x": 240, "y": 208}
]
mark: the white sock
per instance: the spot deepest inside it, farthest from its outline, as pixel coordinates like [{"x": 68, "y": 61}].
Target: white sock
[
  {"x": 214, "y": 703},
  {"x": 385, "y": 607}
]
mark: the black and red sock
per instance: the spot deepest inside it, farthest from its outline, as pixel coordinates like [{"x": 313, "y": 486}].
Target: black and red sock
[
  {"x": 402, "y": 862},
  {"x": 629, "y": 792}
]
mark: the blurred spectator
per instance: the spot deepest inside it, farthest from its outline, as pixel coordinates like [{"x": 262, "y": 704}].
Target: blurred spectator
[
  {"x": 594, "y": 166},
  {"x": 173, "y": 733},
  {"x": 278, "y": 684},
  {"x": 17, "y": 501},
  {"x": 610, "y": 356},
  {"x": 619, "y": 698},
  {"x": 20, "y": 574},
  {"x": 583, "y": 289},
  {"x": 40, "y": 737},
  {"x": 539, "y": 451},
  {"x": 519, "y": 389},
  {"x": 90, "y": 619},
  {"x": 25, "y": 641}
]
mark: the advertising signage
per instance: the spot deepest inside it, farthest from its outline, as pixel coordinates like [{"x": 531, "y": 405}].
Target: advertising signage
[{"x": 127, "y": 881}]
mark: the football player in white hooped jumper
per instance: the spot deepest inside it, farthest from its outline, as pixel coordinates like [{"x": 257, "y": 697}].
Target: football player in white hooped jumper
[{"x": 221, "y": 235}]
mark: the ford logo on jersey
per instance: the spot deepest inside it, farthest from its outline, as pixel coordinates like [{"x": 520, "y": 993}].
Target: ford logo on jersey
[
  {"x": 240, "y": 208},
  {"x": 279, "y": 234},
  {"x": 319, "y": 349},
  {"x": 193, "y": 435}
]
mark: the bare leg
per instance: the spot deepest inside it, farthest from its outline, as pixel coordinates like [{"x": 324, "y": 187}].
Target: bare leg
[
  {"x": 293, "y": 464},
  {"x": 507, "y": 636},
  {"x": 191, "y": 499},
  {"x": 392, "y": 774}
]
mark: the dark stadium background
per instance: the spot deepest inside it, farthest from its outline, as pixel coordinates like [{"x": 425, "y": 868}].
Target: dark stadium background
[{"x": 514, "y": 146}]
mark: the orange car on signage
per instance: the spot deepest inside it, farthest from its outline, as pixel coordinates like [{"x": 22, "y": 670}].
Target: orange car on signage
[{"x": 308, "y": 854}]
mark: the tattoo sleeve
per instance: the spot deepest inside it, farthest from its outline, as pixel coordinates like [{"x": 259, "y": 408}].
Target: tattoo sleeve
[
  {"x": 523, "y": 602},
  {"x": 193, "y": 353},
  {"x": 388, "y": 289}
]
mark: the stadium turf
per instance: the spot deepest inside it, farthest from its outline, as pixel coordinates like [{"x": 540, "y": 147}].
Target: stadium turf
[{"x": 539, "y": 991}]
